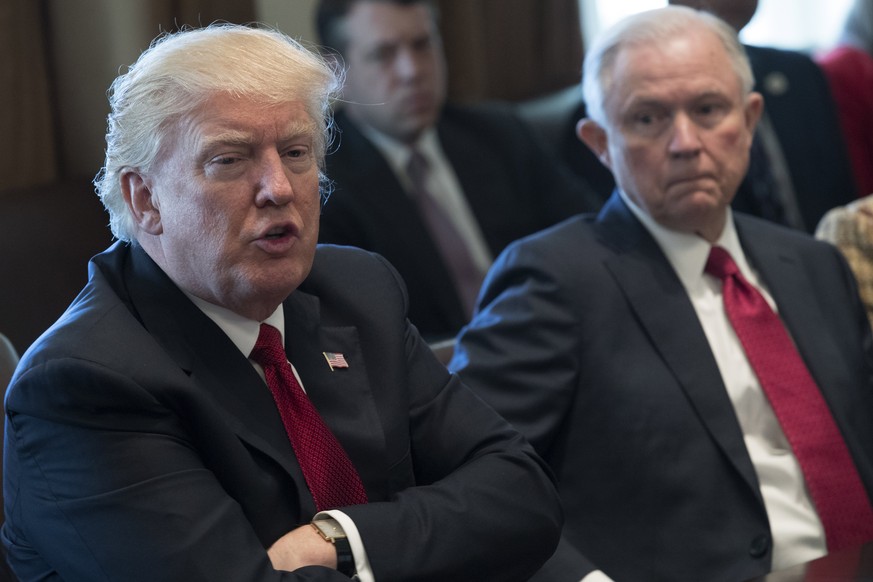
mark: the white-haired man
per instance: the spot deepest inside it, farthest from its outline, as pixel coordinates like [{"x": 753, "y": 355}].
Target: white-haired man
[
  {"x": 158, "y": 430},
  {"x": 699, "y": 380}
]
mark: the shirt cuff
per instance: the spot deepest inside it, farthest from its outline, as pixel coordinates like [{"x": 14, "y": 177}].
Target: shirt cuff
[
  {"x": 596, "y": 576},
  {"x": 362, "y": 563}
]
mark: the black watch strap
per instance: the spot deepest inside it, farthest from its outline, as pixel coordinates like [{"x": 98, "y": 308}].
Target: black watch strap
[
  {"x": 329, "y": 529},
  {"x": 345, "y": 561}
]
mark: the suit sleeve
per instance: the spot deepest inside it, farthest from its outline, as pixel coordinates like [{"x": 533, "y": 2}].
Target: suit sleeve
[
  {"x": 519, "y": 354},
  {"x": 483, "y": 505},
  {"x": 110, "y": 486}
]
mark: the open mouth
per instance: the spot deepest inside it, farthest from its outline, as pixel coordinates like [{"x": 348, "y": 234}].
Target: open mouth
[
  {"x": 277, "y": 233},
  {"x": 279, "y": 238}
]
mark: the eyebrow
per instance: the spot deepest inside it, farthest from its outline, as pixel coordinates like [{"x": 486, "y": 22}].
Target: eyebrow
[
  {"x": 650, "y": 100},
  {"x": 230, "y": 137},
  {"x": 233, "y": 137}
]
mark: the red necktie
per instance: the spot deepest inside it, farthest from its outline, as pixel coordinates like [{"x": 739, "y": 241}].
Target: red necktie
[
  {"x": 466, "y": 275},
  {"x": 836, "y": 489},
  {"x": 329, "y": 473}
]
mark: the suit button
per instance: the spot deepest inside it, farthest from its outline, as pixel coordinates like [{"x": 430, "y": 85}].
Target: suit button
[{"x": 760, "y": 546}]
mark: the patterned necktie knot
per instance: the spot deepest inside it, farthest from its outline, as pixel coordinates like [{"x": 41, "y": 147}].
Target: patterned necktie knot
[
  {"x": 720, "y": 264},
  {"x": 268, "y": 350}
]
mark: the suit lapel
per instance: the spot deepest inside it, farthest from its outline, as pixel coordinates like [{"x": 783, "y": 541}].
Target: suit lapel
[
  {"x": 213, "y": 363},
  {"x": 342, "y": 396},
  {"x": 782, "y": 272},
  {"x": 667, "y": 316}
]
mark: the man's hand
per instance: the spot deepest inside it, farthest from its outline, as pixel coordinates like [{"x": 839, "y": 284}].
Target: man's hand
[{"x": 302, "y": 547}]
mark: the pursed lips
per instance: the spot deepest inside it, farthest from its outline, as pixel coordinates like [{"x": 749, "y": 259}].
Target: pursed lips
[{"x": 691, "y": 179}]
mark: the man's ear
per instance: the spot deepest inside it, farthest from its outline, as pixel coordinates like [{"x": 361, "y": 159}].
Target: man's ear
[
  {"x": 595, "y": 138},
  {"x": 141, "y": 202},
  {"x": 754, "y": 110}
]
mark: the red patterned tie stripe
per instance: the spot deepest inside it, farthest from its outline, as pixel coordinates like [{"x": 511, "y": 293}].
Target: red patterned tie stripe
[
  {"x": 831, "y": 477},
  {"x": 329, "y": 473}
]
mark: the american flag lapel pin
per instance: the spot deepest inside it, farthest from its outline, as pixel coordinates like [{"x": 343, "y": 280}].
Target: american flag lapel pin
[{"x": 335, "y": 360}]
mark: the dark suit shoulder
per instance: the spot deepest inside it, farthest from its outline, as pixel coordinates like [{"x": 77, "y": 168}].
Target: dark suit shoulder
[
  {"x": 761, "y": 232},
  {"x": 87, "y": 328},
  {"x": 570, "y": 238},
  {"x": 772, "y": 57},
  {"x": 564, "y": 261},
  {"x": 359, "y": 279},
  {"x": 574, "y": 230}
]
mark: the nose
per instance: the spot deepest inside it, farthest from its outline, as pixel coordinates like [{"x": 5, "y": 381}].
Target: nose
[
  {"x": 407, "y": 63},
  {"x": 685, "y": 139},
  {"x": 273, "y": 183}
]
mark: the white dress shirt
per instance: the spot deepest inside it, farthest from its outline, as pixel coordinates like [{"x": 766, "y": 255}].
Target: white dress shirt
[
  {"x": 798, "y": 535},
  {"x": 243, "y": 332}
]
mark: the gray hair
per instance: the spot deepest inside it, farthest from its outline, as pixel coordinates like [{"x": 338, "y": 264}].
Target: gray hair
[
  {"x": 651, "y": 27},
  {"x": 180, "y": 71}
]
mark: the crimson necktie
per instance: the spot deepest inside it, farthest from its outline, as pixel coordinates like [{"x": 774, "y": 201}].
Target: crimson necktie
[
  {"x": 329, "y": 473},
  {"x": 466, "y": 275},
  {"x": 833, "y": 482}
]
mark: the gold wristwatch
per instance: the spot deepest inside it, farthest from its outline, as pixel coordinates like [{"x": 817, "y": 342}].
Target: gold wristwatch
[{"x": 332, "y": 531}]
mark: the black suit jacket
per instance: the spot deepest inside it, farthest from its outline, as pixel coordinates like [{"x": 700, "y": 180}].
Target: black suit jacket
[
  {"x": 512, "y": 187},
  {"x": 587, "y": 342},
  {"x": 141, "y": 445}
]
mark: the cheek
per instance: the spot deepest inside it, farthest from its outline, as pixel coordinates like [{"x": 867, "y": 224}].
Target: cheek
[
  {"x": 733, "y": 151},
  {"x": 732, "y": 137},
  {"x": 639, "y": 160},
  {"x": 370, "y": 84},
  {"x": 308, "y": 201}
]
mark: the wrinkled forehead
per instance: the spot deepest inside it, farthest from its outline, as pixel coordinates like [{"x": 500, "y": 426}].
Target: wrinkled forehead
[
  {"x": 224, "y": 118},
  {"x": 694, "y": 58}
]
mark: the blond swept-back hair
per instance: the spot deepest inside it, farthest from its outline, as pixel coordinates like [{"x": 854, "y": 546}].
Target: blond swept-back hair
[{"x": 180, "y": 71}]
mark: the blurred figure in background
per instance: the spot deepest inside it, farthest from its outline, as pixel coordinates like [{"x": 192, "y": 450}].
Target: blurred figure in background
[
  {"x": 437, "y": 189},
  {"x": 850, "y": 228},
  {"x": 849, "y": 69}
]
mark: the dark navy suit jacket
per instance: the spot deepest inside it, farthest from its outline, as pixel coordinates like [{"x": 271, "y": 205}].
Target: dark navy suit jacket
[
  {"x": 587, "y": 341},
  {"x": 141, "y": 445}
]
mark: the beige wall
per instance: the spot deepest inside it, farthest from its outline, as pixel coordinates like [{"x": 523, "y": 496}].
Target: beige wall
[
  {"x": 294, "y": 17},
  {"x": 95, "y": 40},
  {"x": 92, "y": 40}
]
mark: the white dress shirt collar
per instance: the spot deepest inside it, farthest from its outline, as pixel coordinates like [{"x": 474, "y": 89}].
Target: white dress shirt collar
[
  {"x": 687, "y": 253},
  {"x": 243, "y": 332}
]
